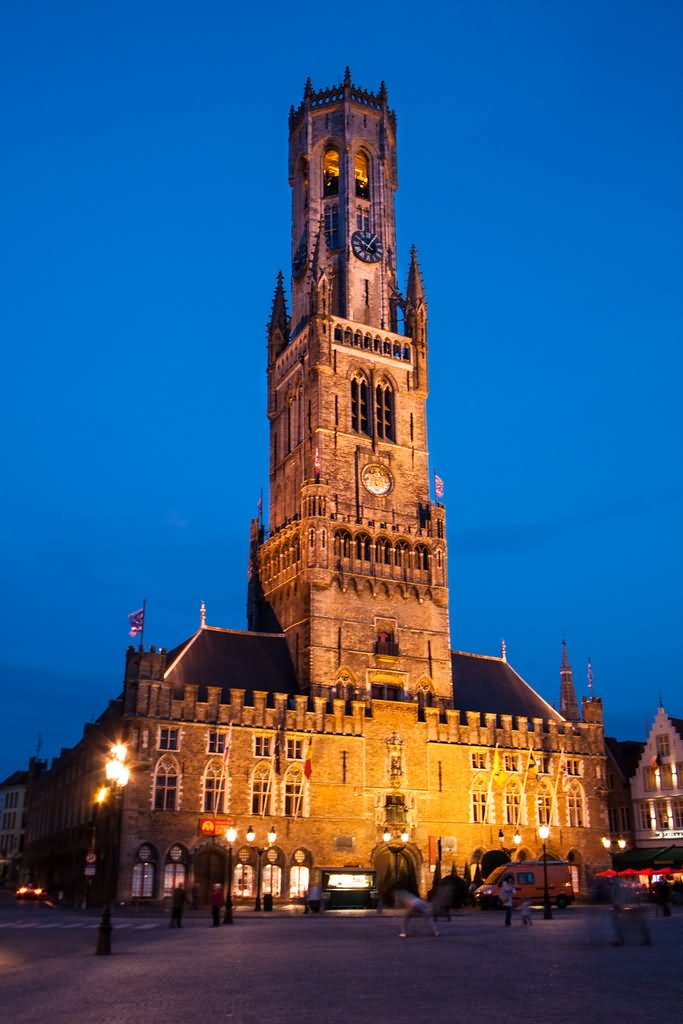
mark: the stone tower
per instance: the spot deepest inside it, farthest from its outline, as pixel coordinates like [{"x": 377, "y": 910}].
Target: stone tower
[{"x": 353, "y": 565}]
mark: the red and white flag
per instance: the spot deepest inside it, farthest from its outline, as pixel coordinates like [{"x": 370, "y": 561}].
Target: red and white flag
[
  {"x": 316, "y": 462},
  {"x": 438, "y": 486},
  {"x": 226, "y": 748},
  {"x": 136, "y": 622}
]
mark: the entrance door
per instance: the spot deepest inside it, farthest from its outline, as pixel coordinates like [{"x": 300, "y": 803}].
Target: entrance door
[
  {"x": 209, "y": 869},
  {"x": 395, "y": 868}
]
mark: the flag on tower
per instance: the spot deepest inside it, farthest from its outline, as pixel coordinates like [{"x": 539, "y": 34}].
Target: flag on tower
[
  {"x": 226, "y": 749},
  {"x": 532, "y": 767},
  {"x": 136, "y": 622},
  {"x": 498, "y": 773},
  {"x": 308, "y": 763},
  {"x": 316, "y": 462},
  {"x": 438, "y": 486}
]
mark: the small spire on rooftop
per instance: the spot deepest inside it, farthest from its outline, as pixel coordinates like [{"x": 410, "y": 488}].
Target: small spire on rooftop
[
  {"x": 503, "y": 650},
  {"x": 202, "y": 615}
]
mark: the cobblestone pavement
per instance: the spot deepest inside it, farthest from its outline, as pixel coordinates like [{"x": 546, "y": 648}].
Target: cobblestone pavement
[{"x": 334, "y": 968}]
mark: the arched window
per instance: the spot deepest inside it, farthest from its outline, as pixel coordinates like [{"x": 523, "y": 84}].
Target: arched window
[
  {"x": 544, "y": 804},
  {"x": 243, "y": 880},
  {"x": 294, "y": 786},
  {"x": 402, "y": 554},
  {"x": 359, "y": 404},
  {"x": 362, "y": 547},
  {"x": 175, "y": 868},
  {"x": 479, "y": 797},
  {"x": 348, "y": 336},
  {"x": 261, "y": 790},
  {"x": 512, "y": 803},
  {"x": 342, "y": 544},
  {"x": 299, "y": 875},
  {"x": 377, "y": 345},
  {"x": 144, "y": 870},
  {"x": 358, "y": 339},
  {"x": 166, "y": 786},
  {"x": 338, "y": 334},
  {"x": 575, "y": 815},
  {"x": 367, "y": 341},
  {"x": 384, "y": 551},
  {"x": 384, "y": 408},
  {"x": 362, "y": 175},
  {"x": 331, "y": 172},
  {"x": 421, "y": 558},
  {"x": 271, "y": 879},
  {"x": 213, "y": 788}
]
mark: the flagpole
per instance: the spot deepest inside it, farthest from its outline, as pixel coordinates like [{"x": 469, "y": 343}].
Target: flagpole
[
  {"x": 521, "y": 800},
  {"x": 488, "y": 795},
  {"x": 142, "y": 631},
  {"x": 557, "y": 782}
]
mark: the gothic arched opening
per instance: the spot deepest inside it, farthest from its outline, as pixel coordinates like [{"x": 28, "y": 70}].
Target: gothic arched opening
[
  {"x": 209, "y": 870},
  {"x": 396, "y": 869}
]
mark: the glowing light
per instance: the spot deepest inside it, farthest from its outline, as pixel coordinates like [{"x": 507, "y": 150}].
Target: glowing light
[
  {"x": 544, "y": 832},
  {"x": 606, "y": 842},
  {"x": 621, "y": 843},
  {"x": 251, "y": 835},
  {"x": 387, "y": 835},
  {"x": 231, "y": 834},
  {"x": 517, "y": 838},
  {"x": 101, "y": 794},
  {"x": 272, "y": 836},
  {"x": 405, "y": 836}
]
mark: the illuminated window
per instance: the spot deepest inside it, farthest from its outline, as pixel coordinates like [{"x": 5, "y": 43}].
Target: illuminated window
[
  {"x": 298, "y": 881},
  {"x": 575, "y": 807},
  {"x": 359, "y": 404},
  {"x": 143, "y": 880},
  {"x": 573, "y": 766},
  {"x": 261, "y": 790},
  {"x": 663, "y": 748},
  {"x": 243, "y": 880},
  {"x": 479, "y": 799},
  {"x": 331, "y": 172},
  {"x": 644, "y": 816},
  {"x": 362, "y": 175},
  {"x": 384, "y": 407},
  {"x": 213, "y": 789},
  {"x": 512, "y": 804},
  {"x": 166, "y": 786},
  {"x": 174, "y": 875},
  {"x": 544, "y": 804},
  {"x": 510, "y": 762},
  {"x": 677, "y": 808},
  {"x": 332, "y": 225},
  {"x": 271, "y": 881},
  {"x": 478, "y": 759},
  {"x": 294, "y": 783}
]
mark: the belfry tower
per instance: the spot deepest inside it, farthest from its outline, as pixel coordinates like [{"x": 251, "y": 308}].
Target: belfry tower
[{"x": 354, "y": 563}]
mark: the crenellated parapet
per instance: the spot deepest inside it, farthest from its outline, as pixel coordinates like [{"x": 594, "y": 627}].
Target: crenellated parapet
[{"x": 331, "y": 95}]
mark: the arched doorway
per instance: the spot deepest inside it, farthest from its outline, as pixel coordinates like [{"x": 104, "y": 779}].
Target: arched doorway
[
  {"x": 209, "y": 868},
  {"x": 395, "y": 865}
]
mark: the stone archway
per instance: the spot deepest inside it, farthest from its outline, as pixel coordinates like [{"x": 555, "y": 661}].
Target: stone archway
[
  {"x": 209, "y": 868},
  {"x": 396, "y": 867}
]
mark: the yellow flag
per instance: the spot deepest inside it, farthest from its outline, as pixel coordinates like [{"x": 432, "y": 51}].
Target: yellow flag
[
  {"x": 498, "y": 773},
  {"x": 532, "y": 767}
]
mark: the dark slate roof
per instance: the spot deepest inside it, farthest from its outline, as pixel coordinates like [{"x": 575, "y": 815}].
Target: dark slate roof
[
  {"x": 15, "y": 779},
  {"x": 626, "y": 753},
  {"x": 230, "y": 658},
  {"x": 487, "y": 684},
  {"x": 677, "y": 724}
]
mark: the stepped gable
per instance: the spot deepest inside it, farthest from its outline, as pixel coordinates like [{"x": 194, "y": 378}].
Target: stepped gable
[
  {"x": 626, "y": 754},
  {"x": 487, "y": 684},
  {"x": 232, "y": 658}
]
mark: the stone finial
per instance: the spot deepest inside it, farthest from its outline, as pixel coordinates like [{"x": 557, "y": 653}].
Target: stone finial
[
  {"x": 383, "y": 94},
  {"x": 347, "y": 76},
  {"x": 202, "y": 615},
  {"x": 503, "y": 650},
  {"x": 308, "y": 89}
]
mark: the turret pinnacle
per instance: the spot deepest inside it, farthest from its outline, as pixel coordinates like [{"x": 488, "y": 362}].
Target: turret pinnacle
[
  {"x": 569, "y": 707},
  {"x": 279, "y": 317},
  {"x": 319, "y": 258},
  {"x": 347, "y": 75},
  {"x": 415, "y": 292}
]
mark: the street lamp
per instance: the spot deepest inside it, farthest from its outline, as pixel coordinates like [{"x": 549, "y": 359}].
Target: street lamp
[
  {"x": 517, "y": 838},
  {"x": 117, "y": 775},
  {"x": 251, "y": 835},
  {"x": 231, "y": 836},
  {"x": 621, "y": 843},
  {"x": 606, "y": 842},
  {"x": 544, "y": 832}
]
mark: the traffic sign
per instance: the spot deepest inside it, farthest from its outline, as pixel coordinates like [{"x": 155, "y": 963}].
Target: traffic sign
[
  {"x": 91, "y": 857},
  {"x": 89, "y": 870}
]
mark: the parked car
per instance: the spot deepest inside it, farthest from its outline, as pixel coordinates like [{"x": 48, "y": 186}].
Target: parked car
[
  {"x": 528, "y": 881},
  {"x": 31, "y": 892}
]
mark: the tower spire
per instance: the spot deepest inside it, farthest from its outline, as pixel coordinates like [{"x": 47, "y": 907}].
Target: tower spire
[
  {"x": 415, "y": 292},
  {"x": 278, "y": 325},
  {"x": 569, "y": 707}
]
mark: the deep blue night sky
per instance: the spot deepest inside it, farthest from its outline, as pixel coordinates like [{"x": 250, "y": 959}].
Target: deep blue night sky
[{"x": 144, "y": 211}]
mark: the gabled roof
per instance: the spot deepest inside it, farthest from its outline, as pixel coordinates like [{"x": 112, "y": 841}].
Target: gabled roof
[
  {"x": 626, "y": 754},
  {"x": 486, "y": 684},
  {"x": 677, "y": 724},
  {"x": 15, "y": 779},
  {"x": 232, "y": 658}
]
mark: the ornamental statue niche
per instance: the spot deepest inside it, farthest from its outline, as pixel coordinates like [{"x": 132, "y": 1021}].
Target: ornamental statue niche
[{"x": 394, "y": 745}]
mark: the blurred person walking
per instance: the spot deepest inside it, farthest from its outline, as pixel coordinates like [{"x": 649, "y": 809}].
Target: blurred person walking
[
  {"x": 216, "y": 904},
  {"x": 177, "y": 907}
]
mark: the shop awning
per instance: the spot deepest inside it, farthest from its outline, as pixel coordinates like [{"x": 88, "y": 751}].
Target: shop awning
[{"x": 650, "y": 857}]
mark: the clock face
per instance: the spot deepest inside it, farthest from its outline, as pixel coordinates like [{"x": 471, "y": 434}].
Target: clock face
[
  {"x": 367, "y": 246},
  {"x": 377, "y": 479},
  {"x": 300, "y": 257}
]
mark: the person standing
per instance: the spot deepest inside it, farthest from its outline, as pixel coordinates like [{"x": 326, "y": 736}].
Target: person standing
[
  {"x": 177, "y": 907},
  {"x": 525, "y": 913},
  {"x": 216, "y": 904},
  {"x": 507, "y": 891}
]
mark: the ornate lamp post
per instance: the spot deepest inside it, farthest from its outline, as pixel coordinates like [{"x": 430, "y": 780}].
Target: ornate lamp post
[
  {"x": 231, "y": 836},
  {"x": 517, "y": 838},
  {"x": 117, "y": 775},
  {"x": 544, "y": 832},
  {"x": 251, "y": 835}
]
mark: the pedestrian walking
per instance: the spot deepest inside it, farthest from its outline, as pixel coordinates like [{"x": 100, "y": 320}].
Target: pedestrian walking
[
  {"x": 507, "y": 891},
  {"x": 662, "y": 897},
  {"x": 413, "y": 908},
  {"x": 177, "y": 907},
  {"x": 525, "y": 913},
  {"x": 216, "y": 904}
]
